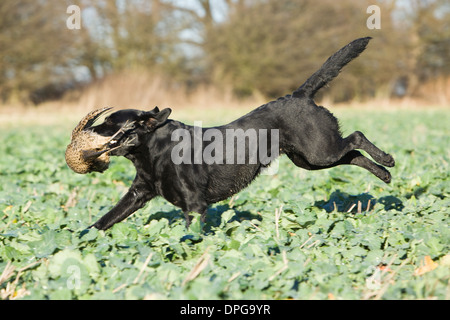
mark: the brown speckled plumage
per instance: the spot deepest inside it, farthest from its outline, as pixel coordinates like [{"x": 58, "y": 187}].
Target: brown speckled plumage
[{"x": 88, "y": 151}]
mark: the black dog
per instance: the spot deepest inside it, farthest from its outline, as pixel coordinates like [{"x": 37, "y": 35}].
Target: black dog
[{"x": 308, "y": 134}]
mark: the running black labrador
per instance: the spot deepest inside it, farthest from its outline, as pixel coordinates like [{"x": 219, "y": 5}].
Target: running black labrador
[{"x": 308, "y": 134}]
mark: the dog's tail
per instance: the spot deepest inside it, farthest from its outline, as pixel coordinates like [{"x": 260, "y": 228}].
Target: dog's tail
[{"x": 331, "y": 68}]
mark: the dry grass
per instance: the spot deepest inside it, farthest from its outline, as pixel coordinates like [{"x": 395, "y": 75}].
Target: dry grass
[
  {"x": 133, "y": 90},
  {"x": 141, "y": 90},
  {"x": 12, "y": 291},
  {"x": 438, "y": 89},
  {"x": 212, "y": 105}
]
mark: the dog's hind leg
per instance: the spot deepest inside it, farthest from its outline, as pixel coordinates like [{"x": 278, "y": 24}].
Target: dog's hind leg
[
  {"x": 356, "y": 158},
  {"x": 357, "y": 140},
  {"x": 327, "y": 150},
  {"x": 353, "y": 157}
]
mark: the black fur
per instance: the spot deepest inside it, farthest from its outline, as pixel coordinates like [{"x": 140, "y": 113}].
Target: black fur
[{"x": 308, "y": 134}]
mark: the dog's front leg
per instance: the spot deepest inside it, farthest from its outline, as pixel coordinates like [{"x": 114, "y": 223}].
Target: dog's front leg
[
  {"x": 189, "y": 217},
  {"x": 133, "y": 200}
]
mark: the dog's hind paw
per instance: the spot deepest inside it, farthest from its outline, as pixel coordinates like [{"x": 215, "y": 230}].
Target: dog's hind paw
[
  {"x": 383, "y": 174},
  {"x": 388, "y": 161},
  {"x": 387, "y": 178}
]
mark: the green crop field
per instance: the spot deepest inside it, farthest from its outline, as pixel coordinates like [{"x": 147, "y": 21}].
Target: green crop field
[{"x": 334, "y": 234}]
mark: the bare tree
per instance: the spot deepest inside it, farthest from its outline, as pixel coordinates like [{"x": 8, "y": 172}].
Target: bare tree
[
  {"x": 252, "y": 46},
  {"x": 429, "y": 42},
  {"x": 272, "y": 46},
  {"x": 33, "y": 48}
]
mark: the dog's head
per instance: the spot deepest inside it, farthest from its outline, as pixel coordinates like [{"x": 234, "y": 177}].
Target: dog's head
[{"x": 144, "y": 122}]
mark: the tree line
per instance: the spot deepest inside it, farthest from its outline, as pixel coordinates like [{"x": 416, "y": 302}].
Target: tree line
[{"x": 265, "y": 47}]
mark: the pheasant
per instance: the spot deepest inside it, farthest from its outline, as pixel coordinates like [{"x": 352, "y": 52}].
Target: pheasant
[{"x": 89, "y": 151}]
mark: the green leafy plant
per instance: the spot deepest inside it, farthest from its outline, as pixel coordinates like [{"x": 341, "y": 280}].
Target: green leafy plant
[{"x": 334, "y": 234}]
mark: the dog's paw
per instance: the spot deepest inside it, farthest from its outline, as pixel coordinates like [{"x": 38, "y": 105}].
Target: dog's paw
[
  {"x": 387, "y": 178},
  {"x": 388, "y": 161},
  {"x": 98, "y": 225},
  {"x": 384, "y": 175}
]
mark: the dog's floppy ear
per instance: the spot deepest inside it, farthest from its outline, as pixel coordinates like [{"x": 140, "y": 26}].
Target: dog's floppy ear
[{"x": 155, "y": 118}]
